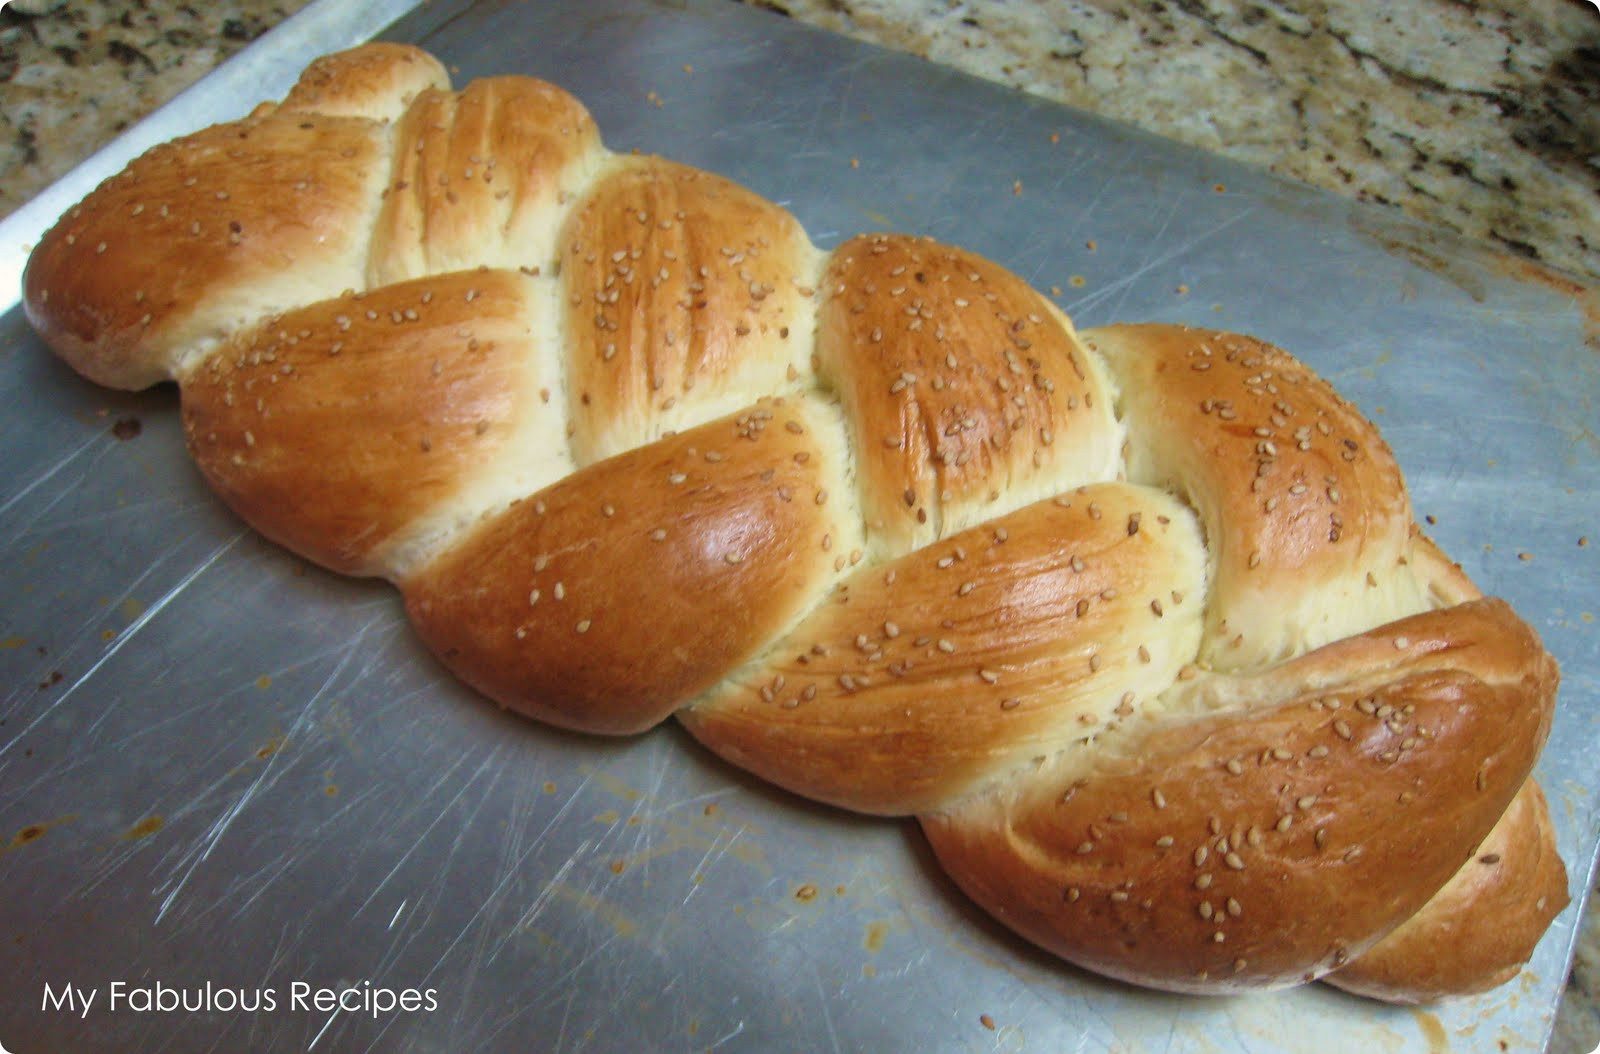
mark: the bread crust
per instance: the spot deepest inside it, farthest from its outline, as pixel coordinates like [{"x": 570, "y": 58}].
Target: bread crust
[
  {"x": 1296, "y": 816},
  {"x": 918, "y": 680},
  {"x": 438, "y": 369},
  {"x": 726, "y": 532},
  {"x": 1135, "y": 620},
  {"x": 1482, "y": 926}
]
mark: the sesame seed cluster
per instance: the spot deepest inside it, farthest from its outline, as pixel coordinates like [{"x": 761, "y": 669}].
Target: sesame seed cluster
[{"x": 1136, "y": 622}]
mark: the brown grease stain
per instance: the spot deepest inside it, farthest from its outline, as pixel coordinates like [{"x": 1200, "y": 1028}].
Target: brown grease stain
[
  {"x": 34, "y": 831},
  {"x": 272, "y": 747},
  {"x": 607, "y": 913},
  {"x": 704, "y": 833},
  {"x": 1586, "y": 298},
  {"x": 877, "y": 932},
  {"x": 144, "y": 828},
  {"x": 613, "y": 785},
  {"x": 1432, "y": 1031}
]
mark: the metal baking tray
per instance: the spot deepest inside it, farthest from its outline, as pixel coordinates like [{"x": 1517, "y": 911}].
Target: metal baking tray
[{"x": 220, "y": 767}]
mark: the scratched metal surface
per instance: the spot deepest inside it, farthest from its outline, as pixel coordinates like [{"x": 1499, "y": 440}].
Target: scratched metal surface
[{"x": 218, "y": 765}]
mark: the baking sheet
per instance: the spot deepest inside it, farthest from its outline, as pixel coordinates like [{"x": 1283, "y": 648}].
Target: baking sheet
[{"x": 220, "y": 767}]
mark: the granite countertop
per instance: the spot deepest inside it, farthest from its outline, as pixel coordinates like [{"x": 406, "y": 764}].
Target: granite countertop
[{"x": 1478, "y": 117}]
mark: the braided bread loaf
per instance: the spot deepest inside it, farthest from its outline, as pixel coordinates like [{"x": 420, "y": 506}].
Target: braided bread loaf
[{"x": 1135, "y": 621}]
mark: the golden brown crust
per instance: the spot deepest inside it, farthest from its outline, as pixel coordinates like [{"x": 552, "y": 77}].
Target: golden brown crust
[
  {"x": 377, "y": 81},
  {"x": 967, "y": 392},
  {"x": 686, "y": 293},
  {"x": 919, "y": 678},
  {"x": 608, "y": 600},
  {"x": 1476, "y": 932},
  {"x": 437, "y": 369},
  {"x": 1148, "y": 723},
  {"x": 1305, "y": 510},
  {"x": 478, "y": 178},
  {"x": 190, "y": 242},
  {"x": 1300, "y": 814}
]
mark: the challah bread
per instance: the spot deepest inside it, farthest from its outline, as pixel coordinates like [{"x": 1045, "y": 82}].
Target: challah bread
[{"x": 1136, "y": 622}]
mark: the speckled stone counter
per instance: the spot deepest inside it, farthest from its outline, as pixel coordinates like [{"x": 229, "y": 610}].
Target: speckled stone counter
[
  {"x": 76, "y": 73},
  {"x": 1478, "y": 117}
]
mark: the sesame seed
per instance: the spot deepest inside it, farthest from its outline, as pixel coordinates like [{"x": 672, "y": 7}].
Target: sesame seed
[
  {"x": 1234, "y": 861},
  {"x": 583, "y": 626},
  {"x": 945, "y": 646},
  {"x": 560, "y": 591}
]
